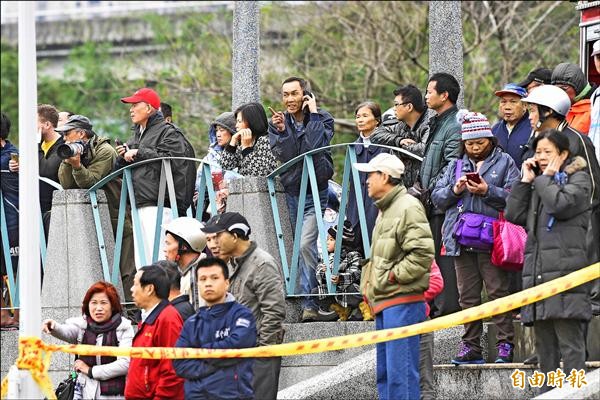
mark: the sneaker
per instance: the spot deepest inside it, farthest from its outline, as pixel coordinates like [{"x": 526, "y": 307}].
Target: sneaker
[
  {"x": 505, "y": 353},
  {"x": 467, "y": 355},
  {"x": 309, "y": 315},
  {"x": 325, "y": 316}
]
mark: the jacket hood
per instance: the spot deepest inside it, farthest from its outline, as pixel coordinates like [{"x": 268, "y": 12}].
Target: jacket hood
[
  {"x": 225, "y": 120},
  {"x": 217, "y": 309},
  {"x": 575, "y": 164}
]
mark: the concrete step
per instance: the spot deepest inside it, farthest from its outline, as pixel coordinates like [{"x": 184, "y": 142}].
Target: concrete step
[
  {"x": 299, "y": 368},
  {"x": 295, "y": 369},
  {"x": 356, "y": 379}
]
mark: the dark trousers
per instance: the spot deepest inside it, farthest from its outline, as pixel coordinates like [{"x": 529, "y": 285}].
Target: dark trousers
[
  {"x": 426, "y": 366},
  {"x": 556, "y": 337},
  {"x": 266, "y": 377},
  {"x": 447, "y": 301},
  {"x": 472, "y": 271}
]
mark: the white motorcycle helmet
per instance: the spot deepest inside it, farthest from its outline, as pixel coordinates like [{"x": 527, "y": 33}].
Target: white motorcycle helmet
[
  {"x": 550, "y": 96},
  {"x": 189, "y": 230}
]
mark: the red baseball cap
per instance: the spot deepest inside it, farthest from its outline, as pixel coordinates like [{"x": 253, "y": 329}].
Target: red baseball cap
[{"x": 146, "y": 95}]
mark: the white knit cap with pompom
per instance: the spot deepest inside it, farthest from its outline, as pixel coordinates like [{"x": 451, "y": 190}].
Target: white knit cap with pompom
[{"x": 474, "y": 125}]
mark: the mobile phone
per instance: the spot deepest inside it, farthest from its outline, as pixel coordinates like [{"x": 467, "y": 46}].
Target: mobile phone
[
  {"x": 309, "y": 94},
  {"x": 473, "y": 177},
  {"x": 536, "y": 169}
]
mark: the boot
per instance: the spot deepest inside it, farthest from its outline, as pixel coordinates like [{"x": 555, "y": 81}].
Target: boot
[
  {"x": 366, "y": 311},
  {"x": 342, "y": 312}
]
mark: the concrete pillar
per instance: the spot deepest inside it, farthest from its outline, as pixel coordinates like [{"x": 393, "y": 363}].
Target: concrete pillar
[
  {"x": 250, "y": 197},
  {"x": 445, "y": 41},
  {"x": 246, "y": 53}
]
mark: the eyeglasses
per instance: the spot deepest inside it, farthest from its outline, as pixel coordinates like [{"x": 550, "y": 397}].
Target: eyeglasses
[
  {"x": 563, "y": 86},
  {"x": 401, "y": 104}
]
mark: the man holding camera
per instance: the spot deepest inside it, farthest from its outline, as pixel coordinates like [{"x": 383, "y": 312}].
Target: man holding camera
[
  {"x": 303, "y": 127},
  {"x": 86, "y": 159}
]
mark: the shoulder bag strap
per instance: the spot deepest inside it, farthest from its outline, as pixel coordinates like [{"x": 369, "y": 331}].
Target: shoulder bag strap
[{"x": 457, "y": 173}]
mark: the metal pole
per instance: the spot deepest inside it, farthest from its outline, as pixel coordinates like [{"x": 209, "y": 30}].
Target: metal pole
[
  {"x": 29, "y": 205},
  {"x": 445, "y": 41},
  {"x": 246, "y": 53}
]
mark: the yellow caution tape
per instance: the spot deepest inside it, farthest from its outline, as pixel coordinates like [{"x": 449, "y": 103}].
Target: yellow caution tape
[{"x": 32, "y": 348}]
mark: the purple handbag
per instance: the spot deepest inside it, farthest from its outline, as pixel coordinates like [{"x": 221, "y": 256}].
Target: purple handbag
[{"x": 473, "y": 230}]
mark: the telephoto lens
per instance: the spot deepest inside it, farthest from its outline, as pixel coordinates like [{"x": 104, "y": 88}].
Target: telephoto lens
[{"x": 68, "y": 150}]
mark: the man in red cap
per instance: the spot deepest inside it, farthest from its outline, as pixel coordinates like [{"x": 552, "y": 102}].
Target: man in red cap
[{"x": 154, "y": 138}]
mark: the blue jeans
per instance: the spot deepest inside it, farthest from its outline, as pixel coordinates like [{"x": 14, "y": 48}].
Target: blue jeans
[
  {"x": 398, "y": 360},
  {"x": 308, "y": 260}
]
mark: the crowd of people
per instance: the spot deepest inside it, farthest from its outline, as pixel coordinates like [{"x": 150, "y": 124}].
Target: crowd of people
[{"x": 429, "y": 226}]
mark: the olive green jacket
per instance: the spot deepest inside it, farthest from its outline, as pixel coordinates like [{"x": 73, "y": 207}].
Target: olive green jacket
[{"x": 401, "y": 252}]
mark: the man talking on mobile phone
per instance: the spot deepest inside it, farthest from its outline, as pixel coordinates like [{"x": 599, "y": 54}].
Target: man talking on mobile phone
[{"x": 302, "y": 128}]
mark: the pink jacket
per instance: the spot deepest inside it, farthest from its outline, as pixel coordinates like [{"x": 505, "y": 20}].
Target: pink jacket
[{"x": 436, "y": 285}]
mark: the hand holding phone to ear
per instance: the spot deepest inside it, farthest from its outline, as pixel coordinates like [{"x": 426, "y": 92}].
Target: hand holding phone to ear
[
  {"x": 310, "y": 101},
  {"x": 529, "y": 170}
]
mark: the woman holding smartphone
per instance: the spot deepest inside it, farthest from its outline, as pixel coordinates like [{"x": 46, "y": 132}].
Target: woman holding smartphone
[
  {"x": 552, "y": 201},
  {"x": 479, "y": 183},
  {"x": 249, "y": 149}
]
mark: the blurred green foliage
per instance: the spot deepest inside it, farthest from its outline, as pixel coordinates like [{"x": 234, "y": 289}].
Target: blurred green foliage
[{"x": 349, "y": 51}]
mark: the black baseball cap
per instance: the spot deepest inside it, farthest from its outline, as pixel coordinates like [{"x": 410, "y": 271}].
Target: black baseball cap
[
  {"x": 76, "y": 122},
  {"x": 541, "y": 75},
  {"x": 228, "y": 221}
]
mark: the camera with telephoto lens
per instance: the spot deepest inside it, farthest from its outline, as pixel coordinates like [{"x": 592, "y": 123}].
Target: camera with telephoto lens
[{"x": 68, "y": 150}]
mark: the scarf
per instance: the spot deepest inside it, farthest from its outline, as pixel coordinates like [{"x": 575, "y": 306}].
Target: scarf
[
  {"x": 560, "y": 178},
  {"x": 108, "y": 329}
]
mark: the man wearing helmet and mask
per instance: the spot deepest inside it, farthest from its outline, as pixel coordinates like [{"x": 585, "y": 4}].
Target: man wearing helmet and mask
[
  {"x": 184, "y": 243},
  {"x": 548, "y": 107}
]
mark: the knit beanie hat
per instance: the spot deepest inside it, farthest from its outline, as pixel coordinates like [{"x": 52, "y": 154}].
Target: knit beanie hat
[
  {"x": 474, "y": 125},
  {"x": 347, "y": 233},
  {"x": 569, "y": 74},
  {"x": 225, "y": 120}
]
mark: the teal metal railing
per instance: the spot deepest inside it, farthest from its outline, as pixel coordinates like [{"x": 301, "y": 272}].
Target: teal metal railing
[
  {"x": 12, "y": 278},
  {"x": 166, "y": 185},
  {"x": 290, "y": 268}
]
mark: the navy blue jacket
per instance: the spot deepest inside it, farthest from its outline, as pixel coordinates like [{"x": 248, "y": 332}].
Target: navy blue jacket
[
  {"x": 498, "y": 171},
  {"x": 228, "y": 325},
  {"x": 10, "y": 187},
  {"x": 514, "y": 143},
  {"x": 363, "y": 155},
  {"x": 316, "y": 133}
]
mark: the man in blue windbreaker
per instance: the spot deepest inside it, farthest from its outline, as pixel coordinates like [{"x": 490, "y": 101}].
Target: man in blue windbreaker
[{"x": 222, "y": 324}]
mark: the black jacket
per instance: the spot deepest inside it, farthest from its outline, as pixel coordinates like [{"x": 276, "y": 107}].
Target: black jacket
[
  {"x": 183, "y": 306},
  {"x": 48, "y": 168},
  {"x": 161, "y": 139},
  {"x": 550, "y": 254}
]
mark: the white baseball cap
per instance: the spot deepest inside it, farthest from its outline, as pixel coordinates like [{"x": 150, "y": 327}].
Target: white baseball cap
[
  {"x": 384, "y": 162},
  {"x": 596, "y": 48}
]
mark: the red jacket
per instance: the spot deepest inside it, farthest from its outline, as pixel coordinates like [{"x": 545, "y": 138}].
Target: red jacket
[
  {"x": 155, "y": 379},
  {"x": 436, "y": 285}
]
